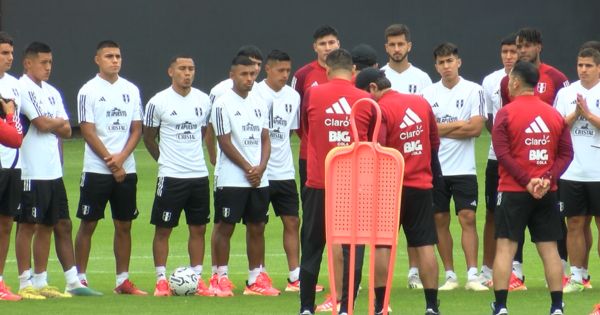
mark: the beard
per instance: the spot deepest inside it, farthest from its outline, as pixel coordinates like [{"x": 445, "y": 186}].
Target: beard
[{"x": 397, "y": 57}]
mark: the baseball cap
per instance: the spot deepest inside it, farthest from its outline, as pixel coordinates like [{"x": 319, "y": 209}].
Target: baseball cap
[
  {"x": 367, "y": 76},
  {"x": 363, "y": 56}
]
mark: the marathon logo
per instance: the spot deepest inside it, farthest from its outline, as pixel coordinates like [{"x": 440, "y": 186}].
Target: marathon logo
[{"x": 115, "y": 112}]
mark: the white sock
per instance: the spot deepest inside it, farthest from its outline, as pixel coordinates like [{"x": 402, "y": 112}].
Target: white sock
[
  {"x": 121, "y": 277},
  {"x": 586, "y": 273},
  {"x": 294, "y": 274},
  {"x": 451, "y": 274},
  {"x": 486, "y": 271},
  {"x": 576, "y": 274},
  {"x": 198, "y": 270},
  {"x": 565, "y": 265},
  {"x": 71, "y": 279},
  {"x": 517, "y": 269},
  {"x": 213, "y": 269},
  {"x": 252, "y": 275},
  {"x": 263, "y": 268},
  {"x": 160, "y": 272},
  {"x": 412, "y": 271},
  {"x": 40, "y": 280},
  {"x": 82, "y": 277},
  {"x": 472, "y": 273},
  {"x": 1, "y": 278},
  {"x": 222, "y": 271},
  {"x": 25, "y": 279}
]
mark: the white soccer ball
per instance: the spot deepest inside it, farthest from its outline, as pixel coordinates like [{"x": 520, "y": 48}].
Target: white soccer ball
[{"x": 183, "y": 281}]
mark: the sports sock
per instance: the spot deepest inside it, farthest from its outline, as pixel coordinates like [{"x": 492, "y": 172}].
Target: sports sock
[
  {"x": 576, "y": 274},
  {"x": 412, "y": 271},
  {"x": 451, "y": 274},
  {"x": 557, "y": 298},
  {"x": 252, "y": 275},
  {"x": 40, "y": 280},
  {"x": 82, "y": 277},
  {"x": 501, "y": 296},
  {"x": 160, "y": 273},
  {"x": 472, "y": 274},
  {"x": 71, "y": 279},
  {"x": 1, "y": 278},
  {"x": 121, "y": 277},
  {"x": 565, "y": 266},
  {"x": 263, "y": 268},
  {"x": 222, "y": 271},
  {"x": 294, "y": 274},
  {"x": 379, "y": 297},
  {"x": 486, "y": 272},
  {"x": 517, "y": 269},
  {"x": 213, "y": 269},
  {"x": 585, "y": 274},
  {"x": 198, "y": 270},
  {"x": 25, "y": 279},
  {"x": 431, "y": 299}
]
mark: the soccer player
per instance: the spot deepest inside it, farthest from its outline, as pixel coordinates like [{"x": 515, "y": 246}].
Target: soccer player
[
  {"x": 178, "y": 116},
  {"x": 405, "y": 78},
  {"x": 533, "y": 146},
  {"x": 579, "y": 104},
  {"x": 408, "y": 125},
  {"x": 327, "y": 107},
  {"x": 241, "y": 124},
  {"x": 491, "y": 91},
  {"x": 529, "y": 48},
  {"x": 11, "y": 137},
  {"x": 44, "y": 200},
  {"x": 109, "y": 112},
  {"x": 458, "y": 105}
]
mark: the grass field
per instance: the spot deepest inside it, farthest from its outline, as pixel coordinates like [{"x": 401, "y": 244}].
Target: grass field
[{"x": 404, "y": 301}]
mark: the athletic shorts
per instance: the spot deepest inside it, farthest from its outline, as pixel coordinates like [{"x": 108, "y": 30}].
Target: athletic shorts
[
  {"x": 246, "y": 204},
  {"x": 283, "y": 195},
  {"x": 11, "y": 187},
  {"x": 96, "y": 190},
  {"x": 579, "y": 198},
  {"x": 462, "y": 187},
  {"x": 517, "y": 210},
  {"x": 191, "y": 195},
  {"x": 44, "y": 202},
  {"x": 417, "y": 217},
  {"x": 491, "y": 185}
]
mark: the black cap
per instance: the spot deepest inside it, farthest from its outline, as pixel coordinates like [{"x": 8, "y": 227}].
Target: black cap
[
  {"x": 368, "y": 76},
  {"x": 363, "y": 56}
]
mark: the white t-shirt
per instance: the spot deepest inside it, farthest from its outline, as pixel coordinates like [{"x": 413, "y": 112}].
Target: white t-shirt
[
  {"x": 10, "y": 89},
  {"x": 493, "y": 99},
  {"x": 40, "y": 155},
  {"x": 583, "y": 168},
  {"x": 463, "y": 101},
  {"x": 180, "y": 120},
  {"x": 111, "y": 107},
  {"x": 244, "y": 119},
  {"x": 284, "y": 112},
  {"x": 410, "y": 81},
  {"x": 220, "y": 89}
]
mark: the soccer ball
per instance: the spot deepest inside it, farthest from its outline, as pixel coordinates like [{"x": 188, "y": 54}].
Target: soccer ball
[{"x": 183, "y": 281}]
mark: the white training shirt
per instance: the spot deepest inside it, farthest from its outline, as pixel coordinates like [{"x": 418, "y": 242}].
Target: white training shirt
[
  {"x": 493, "y": 99},
  {"x": 284, "y": 112},
  {"x": 244, "y": 119},
  {"x": 40, "y": 155},
  {"x": 180, "y": 120},
  {"x": 111, "y": 107},
  {"x": 411, "y": 81},
  {"x": 215, "y": 93},
  {"x": 583, "y": 168},
  {"x": 10, "y": 89},
  {"x": 463, "y": 101}
]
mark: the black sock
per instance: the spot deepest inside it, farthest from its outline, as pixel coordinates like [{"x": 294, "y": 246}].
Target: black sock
[
  {"x": 308, "y": 281},
  {"x": 557, "y": 297},
  {"x": 501, "y": 296},
  {"x": 431, "y": 299},
  {"x": 379, "y": 297}
]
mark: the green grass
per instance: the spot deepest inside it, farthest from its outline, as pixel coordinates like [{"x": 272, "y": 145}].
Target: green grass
[{"x": 404, "y": 301}]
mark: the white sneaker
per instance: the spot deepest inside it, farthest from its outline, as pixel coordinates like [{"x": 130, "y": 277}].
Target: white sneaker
[
  {"x": 414, "y": 282},
  {"x": 476, "y": 285},
  {"x": 450, "y": 284}
]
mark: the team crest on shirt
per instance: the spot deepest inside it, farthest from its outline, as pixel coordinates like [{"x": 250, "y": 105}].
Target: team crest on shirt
[
  {"x": 257, "y": 112},
  {"x": 15, "y": 92},
  {"x": 541, "y": 87},
  {"x": 226, "y": 212},
  {"x": 598, "y": 103},
  {"x": 412, "y": 88},
  {"x": 126, "y": 98},
  {"x": 460, "y": 103},
  {"x": 198, "y": 111},
  {"x": 166, "y": 216},
  {"x": 85, "y": 209},
  {"x": 288, "y": 108},
  {"x": 52, "y": 100}
]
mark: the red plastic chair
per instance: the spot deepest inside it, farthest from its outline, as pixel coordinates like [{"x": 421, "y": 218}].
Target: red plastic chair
[{"x": 363, "y": 187}]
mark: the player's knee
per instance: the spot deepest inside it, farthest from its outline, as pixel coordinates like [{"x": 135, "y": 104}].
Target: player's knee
[
  {"x": 467, "y": 217},
  {"x": 576, "y": 223},
  {"x": 63, "y": 227}
]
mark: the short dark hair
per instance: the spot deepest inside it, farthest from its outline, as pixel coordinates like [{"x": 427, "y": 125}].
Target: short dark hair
[
  {"x": 5, "y": 38},
  {"x": 339, "y": 59},
  {"x": 107, "y": 44},
  {"x": 591, "y": 44},
  {"x": 250, "y": 51},
  {"x": 527, "y": 72},
  {"x": 590, "y": 53},
  {"x": 323, "y": 31},
  {"x": 35, "y": 48},
  {"x": 397, "y": 30},
  {"x": 510, "y": 39},
  {"x": 363, "y": 56},
  {"x": 278, "y": 55},
  {"x": 242, "y": 61},
  {"x": 179, "y": 56},
  {"x": 445, "y": 49},
  {"x": 529, "y": 34},
  {"x": 372, "y": 75}
]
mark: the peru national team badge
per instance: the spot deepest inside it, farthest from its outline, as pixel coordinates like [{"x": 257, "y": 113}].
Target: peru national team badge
[
  {"x": 226, "y": 212},
  {"x": 126, "y": 98},
  {"x": 166, "y": 216},
  {"x": 460, "y": 103},
  {"x": 541, "y": 87},
  {"x": 598, "y": 103},
  {"x": 257, "y": 112},
  {"x": 85, "y": 209},
  {"x": 288, "y": 108}
]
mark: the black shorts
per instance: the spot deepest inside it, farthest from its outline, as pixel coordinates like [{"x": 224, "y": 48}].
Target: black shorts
[
  {"x": 283, "y": 195},
  {"x": 191, "y": 195},
  {"x": 464, "y": 190},
  {"x": 579, "y": 198},
  {"x": 517, "y": 210},
  {"x": 250, "y": 205},
  {"x": 44, "y": 202},
  {"x": 11, "y": 187},
  {"x": 491, "y": 185},
  {"x": 98, "y": 189},
  {"x": 417, "y": 217}
]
